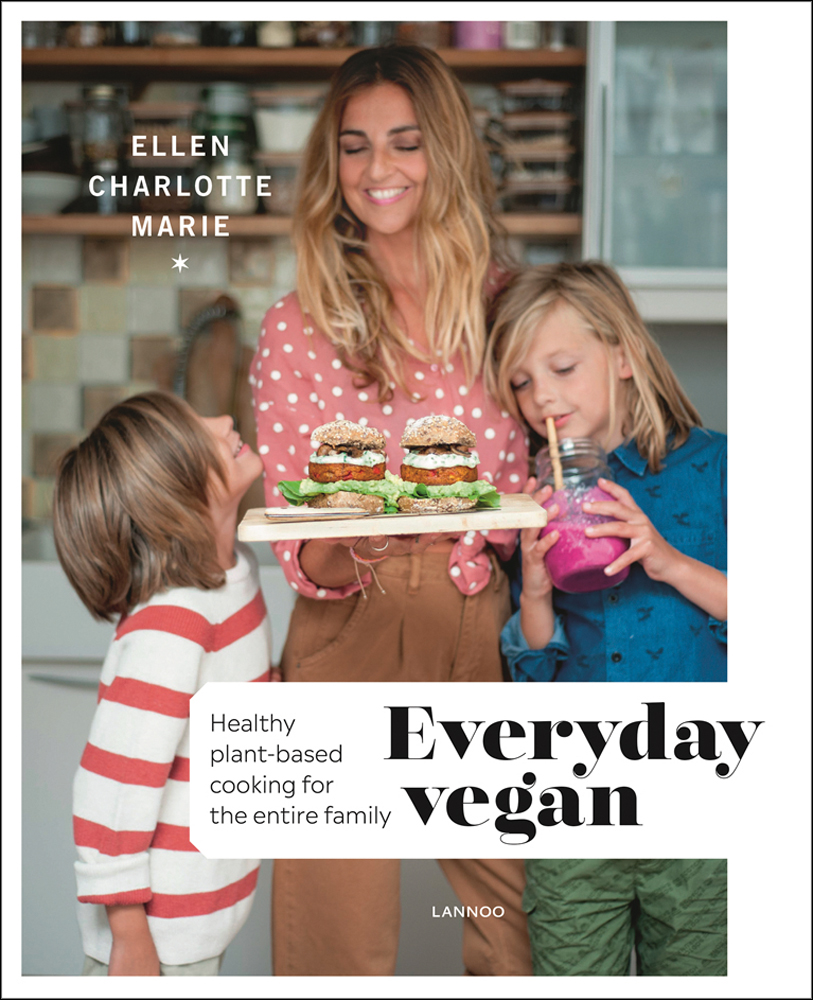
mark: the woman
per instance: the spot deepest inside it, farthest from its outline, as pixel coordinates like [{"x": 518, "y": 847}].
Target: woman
[{"x": 393, "y": 235}]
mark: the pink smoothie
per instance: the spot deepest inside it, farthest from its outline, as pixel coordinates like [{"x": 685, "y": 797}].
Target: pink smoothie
[{"x": 576, "y": 562}]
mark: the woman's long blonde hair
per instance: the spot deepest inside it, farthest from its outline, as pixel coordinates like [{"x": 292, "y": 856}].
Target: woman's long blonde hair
[
  {"x": 131, "y": 511},
  {"x": 657, "y": 408},
  {"x": 337, "y": 281}
]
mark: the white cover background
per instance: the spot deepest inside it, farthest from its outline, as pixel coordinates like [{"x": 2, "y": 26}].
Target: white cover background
[{"x": 769, "y": 394}]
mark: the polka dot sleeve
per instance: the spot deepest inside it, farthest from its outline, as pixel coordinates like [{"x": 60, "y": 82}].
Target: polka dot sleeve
[{"x": 286, "y": 409}]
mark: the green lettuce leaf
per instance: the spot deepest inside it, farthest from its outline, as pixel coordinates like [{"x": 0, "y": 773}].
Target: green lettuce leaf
[
  {"x": 297, "y": 492},
  {"x": 389, "y": 489},
  {"x": 481, "y": 490}
]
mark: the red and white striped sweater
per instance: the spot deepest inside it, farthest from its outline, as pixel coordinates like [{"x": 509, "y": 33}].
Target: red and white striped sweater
[{"x": 131, "y": 792}]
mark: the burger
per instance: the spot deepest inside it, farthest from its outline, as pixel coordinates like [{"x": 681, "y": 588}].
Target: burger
[
  {"x": 347, "y": 469},
  {"x": 439, "y": 452},
  {"x": 439, "y": 468},
  {"x": 347, "y": 451}
]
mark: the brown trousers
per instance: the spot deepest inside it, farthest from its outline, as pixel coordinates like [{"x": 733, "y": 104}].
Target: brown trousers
[{"x": 342, "y": 917}]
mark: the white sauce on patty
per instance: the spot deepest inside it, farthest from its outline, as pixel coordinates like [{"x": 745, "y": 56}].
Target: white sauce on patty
[
  {"x": 435, "y": 460},
  {"x": 367, "y": 460}
]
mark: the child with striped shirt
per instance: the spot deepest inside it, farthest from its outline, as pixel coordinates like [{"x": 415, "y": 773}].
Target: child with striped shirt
[{"x": 145, "y": 512}]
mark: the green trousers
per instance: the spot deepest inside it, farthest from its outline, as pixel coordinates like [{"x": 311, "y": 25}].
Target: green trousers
[
  {"x": 208, "y": 967},
  {"x": 585, "y": 916}
]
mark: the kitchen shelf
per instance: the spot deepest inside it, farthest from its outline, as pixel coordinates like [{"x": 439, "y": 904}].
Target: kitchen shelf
[
  {"x": 201, "y": 63},
  {"x": 553, "y": 224}
]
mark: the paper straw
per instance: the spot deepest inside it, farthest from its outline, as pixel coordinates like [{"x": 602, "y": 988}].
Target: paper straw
[{"x": 553, "y": 448}]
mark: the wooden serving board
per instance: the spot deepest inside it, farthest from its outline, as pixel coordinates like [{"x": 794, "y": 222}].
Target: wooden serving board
[{"x": 517, "y": 510}]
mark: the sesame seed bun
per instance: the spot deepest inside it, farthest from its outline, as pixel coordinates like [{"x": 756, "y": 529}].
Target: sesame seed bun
[
  {"x": 345, "y": 432},
  {"x": 434, "y": 505},
  {"x": 437, "y": 429},
  {"x": 363, "y": 501}
]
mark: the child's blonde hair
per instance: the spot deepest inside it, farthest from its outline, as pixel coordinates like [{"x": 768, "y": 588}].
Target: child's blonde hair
[
  {"x": 657, "y": 406},
  {"x": 131, "y": 514},
  {"x": 338, "y": 283}
]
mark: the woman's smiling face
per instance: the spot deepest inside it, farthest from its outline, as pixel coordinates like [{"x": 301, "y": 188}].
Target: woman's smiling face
[{"x": 382, "y": 163}]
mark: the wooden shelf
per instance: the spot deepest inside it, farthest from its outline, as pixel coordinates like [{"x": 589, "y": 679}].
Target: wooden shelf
[
  {"x": 199, "y": 63},
  {"x": 560, "y": 224}
]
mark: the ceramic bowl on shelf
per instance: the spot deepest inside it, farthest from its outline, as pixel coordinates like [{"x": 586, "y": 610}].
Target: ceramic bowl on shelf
[{"x": 47, "y": 194}]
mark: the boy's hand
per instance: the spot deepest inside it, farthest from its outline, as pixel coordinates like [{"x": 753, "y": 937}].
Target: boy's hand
[
  {"x": 536, "y": 603},
  {"x": 131, "y": 958},
  {"x": 647, "y": 546},
  {"x": 133, "y": 952},
  {"x": 275, "y": 675},
  {"x": 703, "y": 585},
  {"x": 536, "y": 582}
]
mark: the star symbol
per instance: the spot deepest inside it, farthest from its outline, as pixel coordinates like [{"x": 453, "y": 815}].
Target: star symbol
[{"x": 180, "y": 263}]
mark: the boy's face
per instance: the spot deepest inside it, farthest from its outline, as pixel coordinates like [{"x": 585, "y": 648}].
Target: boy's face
[
  {"x": 566, "y": 375},
  {"x": 240, "y": 463}
]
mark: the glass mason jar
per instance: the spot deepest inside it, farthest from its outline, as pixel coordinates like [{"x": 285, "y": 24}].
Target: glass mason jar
[
  {"x": 103, "y": 127},
  {"x": 522, "y": 34},
  {"x": 86, "y": 34},
  {"x": 228, "y": 33},
  {"x": 233, "y": 196},
  {"x": 576, "y": 562},
  {"x": 132, "y": 32},
  {"x": 276, "y": 35}
]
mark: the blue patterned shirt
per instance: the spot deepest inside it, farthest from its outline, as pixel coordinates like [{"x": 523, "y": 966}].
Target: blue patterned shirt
[{"x": 642, "y": 630}]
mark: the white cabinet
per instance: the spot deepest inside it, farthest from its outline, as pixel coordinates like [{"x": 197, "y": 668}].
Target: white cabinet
[{"x": 655, "y": 164}]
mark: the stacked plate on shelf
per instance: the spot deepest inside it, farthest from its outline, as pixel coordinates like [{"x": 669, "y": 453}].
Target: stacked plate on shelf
[{"x": 534, "y": 135}]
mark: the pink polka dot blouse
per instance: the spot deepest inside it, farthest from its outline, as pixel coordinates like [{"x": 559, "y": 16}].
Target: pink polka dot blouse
[{"x": 298, "y": 383}]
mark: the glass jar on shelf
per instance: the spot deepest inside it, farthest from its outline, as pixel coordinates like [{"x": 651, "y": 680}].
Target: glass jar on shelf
[
  {"x": 522, "y": 34},
  {"x": 368, "y": 34},
  {"x": 227, "y": 113},
  {"x": 103, "y": 126},
  {"x": 167, "y": 125},
  {"x": 224, "y": 34},
  {"x": 282, "y": 168},
  {"x": 560, "y": 35},
  {"x": 432, "y": 34},
  {"x": 234, "y": 182},
  {"x": 132, "y": 33},
  {"x": 40, "y": 34},
  {"x": 276, "y": 35},
  {"x": 324, "y": 34},
  {"x": 176, "y": 34},
  {"x": 477, "y": 34},
  {"x": 86, "y": 34}
]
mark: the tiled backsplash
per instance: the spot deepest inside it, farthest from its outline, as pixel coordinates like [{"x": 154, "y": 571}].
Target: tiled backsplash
[{"x": 103, "y": 317}]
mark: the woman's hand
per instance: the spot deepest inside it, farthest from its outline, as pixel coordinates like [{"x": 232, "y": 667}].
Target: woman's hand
[
  {"x": 703, "y": 585},
  {"x": 383, "y": 546},
  {"x": 536, "y": 602},
  {"x": 327, "y": 561},
  {"x": 659, "y": 559}
]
